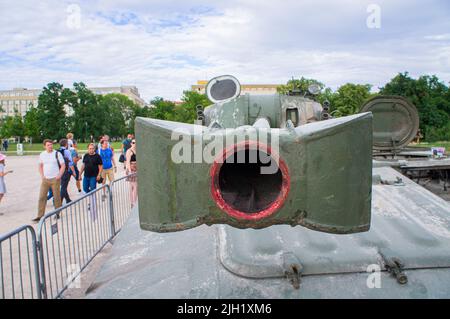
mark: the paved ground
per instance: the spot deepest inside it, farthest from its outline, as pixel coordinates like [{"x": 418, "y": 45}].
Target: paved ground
[{"x": 19, "y": 205}]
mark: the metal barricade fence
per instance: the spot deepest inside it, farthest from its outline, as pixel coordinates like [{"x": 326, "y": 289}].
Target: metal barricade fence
[
  {"x": 70, "y": 237},
  {"x": 122, "y": 192},
  {"x": 19, "y": 269},
  {"x": 45, "y": 264}
]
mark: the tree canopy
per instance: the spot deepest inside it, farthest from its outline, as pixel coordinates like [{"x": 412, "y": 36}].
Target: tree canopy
[
  {"x": 431, "y": 98},
  {"x": 51, "y": 111}
]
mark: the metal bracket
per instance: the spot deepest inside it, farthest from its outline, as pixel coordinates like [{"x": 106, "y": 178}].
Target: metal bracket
[
  {"x": 395, "y": 267},
  {"x": 399, "y": 182},
  {"x": 290, "y": 126},
  {"x": 292, "y": 269},
  {"x": 215, "y": 125},
  {"x": 394, "y": 148}
]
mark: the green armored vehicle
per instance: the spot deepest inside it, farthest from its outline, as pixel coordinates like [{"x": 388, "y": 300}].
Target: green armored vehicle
[{"x": 271, "y": 197}]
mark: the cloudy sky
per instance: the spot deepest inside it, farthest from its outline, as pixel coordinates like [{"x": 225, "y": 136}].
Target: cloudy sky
[{"x": 163, "y": 47}]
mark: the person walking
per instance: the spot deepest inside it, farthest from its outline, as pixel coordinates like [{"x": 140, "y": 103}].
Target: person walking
[
  {"x": 71, "y": 144},
  {"x": 5, "y": 145},
  {"x": 131, "y": 169},
  {"x": 75, "y": 159},
  {"x": 51, "y": 168},
  {"x": 126, "y": 144},
  {"x": 109, "y": 163},
  {"x": 92, "y": 168},
  {"x": 69, "y": 170},
  {"x": 3, "y": 173}
]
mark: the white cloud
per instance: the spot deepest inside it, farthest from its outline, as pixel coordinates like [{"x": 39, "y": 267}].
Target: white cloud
[{"x": 163, "y": 47}]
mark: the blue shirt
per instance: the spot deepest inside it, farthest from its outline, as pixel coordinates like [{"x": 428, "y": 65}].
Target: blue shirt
[{"x": 106, "y": 156}]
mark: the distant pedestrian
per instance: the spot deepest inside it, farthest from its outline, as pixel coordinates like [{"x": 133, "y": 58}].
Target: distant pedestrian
[
  {"x": 3, "y": 173},
  {"x": 70, "y": 142},
  {"x": 92, "y": 168},
  {"x": 131, "y": 169},
  {"x": 101, "y": 139},
  {"x": 51, "y": 168},
  {"x": 5, "y": 145},
  {"x": 75, "y": 158},
  {"x": 126, "y": 144},
  {"x": 109, "y": 163}
]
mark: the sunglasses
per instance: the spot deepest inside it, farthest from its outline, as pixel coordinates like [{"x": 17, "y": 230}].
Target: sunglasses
[{"x": 133, "y": 142}]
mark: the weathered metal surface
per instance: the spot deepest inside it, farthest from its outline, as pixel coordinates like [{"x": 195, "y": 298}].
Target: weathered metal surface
[
  {"x": 409, "y": 225},
  {"x": 245, "y": 109},
  {"x": 395, "y": 121},
  {"x": 322, "y": 165}
]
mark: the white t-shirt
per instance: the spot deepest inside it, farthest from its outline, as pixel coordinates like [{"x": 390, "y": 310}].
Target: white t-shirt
[
  {"x": 70, "y": 145},
  {"x": 51, "y": 168}
]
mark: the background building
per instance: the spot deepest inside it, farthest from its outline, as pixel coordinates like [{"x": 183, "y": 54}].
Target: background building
[
  {"x": 18, "y": 98},
  {"x": 23, "y": 99},
  {"x": 256, "y": 89},
  {"x": 131, "y": 91}
]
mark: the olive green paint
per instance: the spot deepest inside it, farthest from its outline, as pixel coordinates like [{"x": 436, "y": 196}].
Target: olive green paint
[{"x": 329, "y": 163}]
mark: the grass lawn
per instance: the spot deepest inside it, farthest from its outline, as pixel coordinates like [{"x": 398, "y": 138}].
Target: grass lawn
[{"x": 35, "y": 148}]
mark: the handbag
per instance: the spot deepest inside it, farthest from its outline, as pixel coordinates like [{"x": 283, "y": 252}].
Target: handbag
[
  {"x": 121, "y": 158},
  {"x": 100, "y": 180}
]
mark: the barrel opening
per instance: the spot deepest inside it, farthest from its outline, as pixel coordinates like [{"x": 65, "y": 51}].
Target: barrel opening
[
  {"x": 250, "y": 183},
  {"x": 243, "y": 184}
]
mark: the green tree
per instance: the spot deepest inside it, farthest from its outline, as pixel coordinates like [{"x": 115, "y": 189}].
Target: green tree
[
  {"x": 12, "y": 126},
  {"x": 186, "y": 112},
  {"x": 5, "y": 128},
  {"x": 17, "y": 127},
  {"x": 431, "y": 98},
  {"x": 120, "y": 111},
  {"x": 301, "y": 84},
  {"x": 162, "y": 109},
  {"x": 31, "y": 124},
  {"x": 137, "y": 111},
  {"x": 349, "y": 98},
  {"x": 51, "y": 112},
  {"x": 88, "y": 117}
]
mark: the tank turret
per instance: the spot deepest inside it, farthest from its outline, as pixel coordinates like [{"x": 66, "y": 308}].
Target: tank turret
[{"x": 252, "y": 161}]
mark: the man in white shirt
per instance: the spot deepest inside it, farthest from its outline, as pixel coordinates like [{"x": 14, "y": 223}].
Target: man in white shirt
[{"x": 51, "y": 168}]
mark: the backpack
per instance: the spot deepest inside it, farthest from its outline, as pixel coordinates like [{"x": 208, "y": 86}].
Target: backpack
[{"x": 66, "y": 161}]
